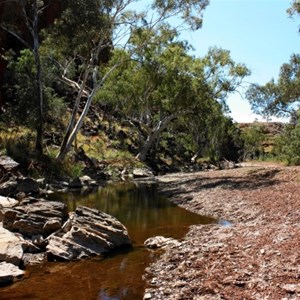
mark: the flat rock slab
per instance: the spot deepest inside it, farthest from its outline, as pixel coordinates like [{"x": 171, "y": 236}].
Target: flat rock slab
[
  {"x": 142, "y": 173},
  {"x": 35, "y": 217},
  {"x": 11, "y": 185},
  {"x": 11, "y": 247},
  {"x": 9, "y": 273},
  {"x": 87, "y": 232},
  {"x": 8, "y": 202},
  {"x": 7, "y": 163}
]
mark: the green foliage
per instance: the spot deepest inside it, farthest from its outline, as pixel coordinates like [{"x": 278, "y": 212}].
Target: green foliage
[
  {"x": 153, "y": 79},
  {"x": 189, "y": 11},
  {"x": 222, "y": 73},
  {"x": 21, "y": 92},
  {"x": 164, "y": 81},
  {"x": 287, "y": 146},
  {"x": 225, "y": 141},
  {"x": 19, "y": 145},
  {"x": 19, "y": 148},
  {"x": 295, "y": 8},
  {"x": 81, "y": 26},
  {"x": 279, "y": 98},
  {"x": 253, "y": 137}
]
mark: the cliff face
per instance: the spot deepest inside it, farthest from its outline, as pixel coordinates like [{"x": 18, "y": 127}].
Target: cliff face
[
  {"x": 269, "y": 128},
  {"x": 7, "y": 41}
]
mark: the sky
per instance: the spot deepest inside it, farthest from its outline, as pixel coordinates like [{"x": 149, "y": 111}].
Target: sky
[{"x": 258, "y": 33}]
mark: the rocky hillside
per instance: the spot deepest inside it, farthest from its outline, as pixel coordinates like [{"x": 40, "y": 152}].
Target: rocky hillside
[{"x": 269, "y": 129}]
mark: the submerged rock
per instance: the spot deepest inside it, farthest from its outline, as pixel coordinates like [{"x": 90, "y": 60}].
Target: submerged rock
[
  {"x": 87, "y": 232},
  {"x": 9, "y": 273}
]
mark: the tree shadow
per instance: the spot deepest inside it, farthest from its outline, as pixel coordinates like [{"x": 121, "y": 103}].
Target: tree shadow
[{"x": 254, "y": 180}]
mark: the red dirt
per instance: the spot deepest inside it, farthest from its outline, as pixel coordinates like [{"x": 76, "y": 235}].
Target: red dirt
[{"x": 257, "y": 257}]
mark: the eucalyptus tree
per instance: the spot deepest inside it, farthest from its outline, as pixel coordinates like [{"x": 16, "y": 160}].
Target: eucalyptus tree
[
  {"x": 281, "y": 98},
  {"x": 26, "y": 14},
  {"x": 87, "y": 30},
  {"x": 295, "y": 8},
  {"x": 164, "y": 83},
  {"x": 155, "y": 87}
]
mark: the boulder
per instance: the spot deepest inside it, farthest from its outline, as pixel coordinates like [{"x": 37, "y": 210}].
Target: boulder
[
  {"x": 76, "y": 183},
  {"x": 35, "y": 217},
  {"x": 88, "y": 232},
  {"x": 13, "y": 185},
  {"x": 9, "y": 273},
  {"x": 6, "y": 202},
  {"x": 7, "y": 164},
  {"x": 9, "y": 187},
  {"x": 82, "y": 181},
  {"x": 226, "y": 165},
  {"x": 11, "y": 247},
  {"x": 160, "y": 242},
  {"x": 27, "y": 185},
  {"x": 142, "y": 173}
]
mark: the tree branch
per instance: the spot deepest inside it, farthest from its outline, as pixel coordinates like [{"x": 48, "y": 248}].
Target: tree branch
[{"x": 17, "y": 36}]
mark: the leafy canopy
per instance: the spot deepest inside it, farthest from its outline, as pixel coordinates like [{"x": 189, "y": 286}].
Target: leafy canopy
[{"x": 281, "y": 98}]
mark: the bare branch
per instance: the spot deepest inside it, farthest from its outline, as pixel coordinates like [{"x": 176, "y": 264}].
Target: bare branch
[{"x": 17, "y": 36}]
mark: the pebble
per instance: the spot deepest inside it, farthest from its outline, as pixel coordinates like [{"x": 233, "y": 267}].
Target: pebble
[{"x": 147, "y": 296}]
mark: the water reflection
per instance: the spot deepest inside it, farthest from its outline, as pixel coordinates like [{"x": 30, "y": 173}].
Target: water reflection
[
  {"x": 140, "y": 209},
  {"x": 119, "y": 276}
]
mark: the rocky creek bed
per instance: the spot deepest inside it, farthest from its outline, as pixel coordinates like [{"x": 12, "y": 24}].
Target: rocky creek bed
[{"x": 257, "y": 257}]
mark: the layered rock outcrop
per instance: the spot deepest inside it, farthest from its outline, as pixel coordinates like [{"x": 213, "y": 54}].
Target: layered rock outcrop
[{"x": 87, "y": 232}]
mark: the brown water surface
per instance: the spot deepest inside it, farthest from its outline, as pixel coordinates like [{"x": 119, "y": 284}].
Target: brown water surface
[{"x": 118, "y": 276}]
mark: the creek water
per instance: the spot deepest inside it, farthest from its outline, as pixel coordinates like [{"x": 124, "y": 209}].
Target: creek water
[{"x": 119, "y": 275}]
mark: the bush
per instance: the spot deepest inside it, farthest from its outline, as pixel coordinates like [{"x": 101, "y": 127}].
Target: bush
[{"x": 288, "y": 145}]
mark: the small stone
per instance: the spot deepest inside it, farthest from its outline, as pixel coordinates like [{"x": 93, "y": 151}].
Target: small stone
[
  {"x": 52, "y": 225},
  {"x": 33, "y": 259},
  {"x": 160, "y": 242},
  {"x": 38, "y": 240},
  {"x": 147, "y": 296},
  {"x": 291, "y": 288},
  {"x": 142, "y": 173}
]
